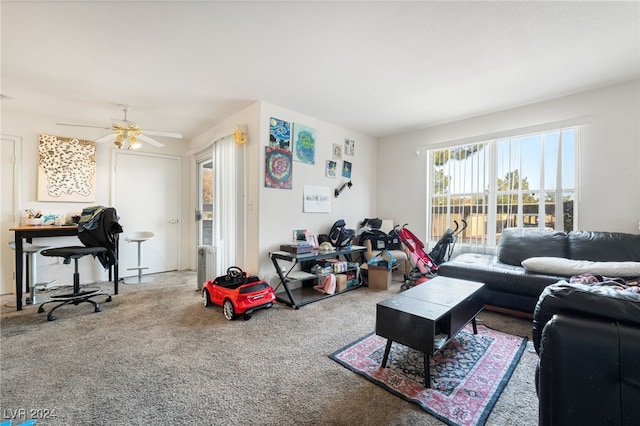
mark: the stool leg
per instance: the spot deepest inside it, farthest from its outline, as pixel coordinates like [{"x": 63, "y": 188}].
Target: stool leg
[
  {"x": 140, "y": 261},
  {"x": 33, "y": 276}
]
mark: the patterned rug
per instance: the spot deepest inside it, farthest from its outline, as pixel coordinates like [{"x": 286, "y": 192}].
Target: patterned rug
[{"x": 467, "y": 375}]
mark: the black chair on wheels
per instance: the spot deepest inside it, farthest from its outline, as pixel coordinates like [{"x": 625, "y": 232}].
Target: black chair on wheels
[
  {"x": 77, "y": 295},
  {"x": 98, "y": 230}
]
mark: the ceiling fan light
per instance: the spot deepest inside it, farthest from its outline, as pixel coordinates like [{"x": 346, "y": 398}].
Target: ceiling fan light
[
  {"x": 134, "y": 143},
  {"x": 118, "y": 141}
]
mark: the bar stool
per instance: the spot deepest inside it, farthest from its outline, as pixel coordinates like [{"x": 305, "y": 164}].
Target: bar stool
[
  {"x": 31, "y": 251},
  {"x": 139, "y": 237}
]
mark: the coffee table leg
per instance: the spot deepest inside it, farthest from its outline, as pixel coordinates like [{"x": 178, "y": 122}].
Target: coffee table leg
[
  {"x": 427, "y": 373},
  {"x": 387, "y": 349},
  {"x": 474, "y": 325}
]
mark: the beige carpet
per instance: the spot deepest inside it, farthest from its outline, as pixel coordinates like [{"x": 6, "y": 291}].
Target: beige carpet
[{"x": 157, "y": 356}]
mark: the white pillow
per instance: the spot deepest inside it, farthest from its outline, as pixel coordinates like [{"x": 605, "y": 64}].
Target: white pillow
[{"x": 570, "y": 267}]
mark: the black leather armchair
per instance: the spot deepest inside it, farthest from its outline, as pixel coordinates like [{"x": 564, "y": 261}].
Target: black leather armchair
[{"x": 588, "y": 341}]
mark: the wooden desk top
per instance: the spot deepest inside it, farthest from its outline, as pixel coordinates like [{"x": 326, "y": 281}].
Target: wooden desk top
[{"x": 43, "y": 227}]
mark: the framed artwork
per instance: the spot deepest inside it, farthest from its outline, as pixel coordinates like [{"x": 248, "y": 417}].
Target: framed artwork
[
  {"x": 66, "y": 169},
  {"x": 317, "y": 199},
  {"x": 278, "y": 168},
  {"x": 331, "y": 168},
  {"x": 312, "y": 239},
  {"x": 337, "y": 152},
  {"x": 346, "y": 169},
  {"x": 304, "y": 144},
  {"x": 299, "y": 235},
  {"x": 280, "y": 133},
  {"x": 349, "y": 147}
]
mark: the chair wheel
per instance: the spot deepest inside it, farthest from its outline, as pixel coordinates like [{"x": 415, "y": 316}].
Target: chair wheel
[
  {"x": 40, "y": 309},
  {"x": 51, "y": 317},
  {"x": 98, "y": 308},
  {"x": 108, "y": 299}
]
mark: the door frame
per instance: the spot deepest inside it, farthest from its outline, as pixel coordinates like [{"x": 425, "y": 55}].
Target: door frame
[{"x": 7, "y": 264}]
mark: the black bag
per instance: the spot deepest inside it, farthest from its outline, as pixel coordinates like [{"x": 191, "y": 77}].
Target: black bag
[
  {"x": 340, "y": 236},
  {"x": 380, "y": 240}
]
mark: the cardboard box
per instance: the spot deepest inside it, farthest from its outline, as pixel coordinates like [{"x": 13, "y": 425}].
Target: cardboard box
[
  {"x": 379, "y": 277},
  {"x": 341, "y": 282}
]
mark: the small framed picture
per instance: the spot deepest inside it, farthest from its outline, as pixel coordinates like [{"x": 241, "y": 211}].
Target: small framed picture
[
  {"x": 299, "y": 235},
  {"x": 312, "y": 239}
]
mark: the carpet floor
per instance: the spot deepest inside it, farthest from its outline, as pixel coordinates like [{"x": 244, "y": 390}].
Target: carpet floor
[{"x": 156, "y": 355}]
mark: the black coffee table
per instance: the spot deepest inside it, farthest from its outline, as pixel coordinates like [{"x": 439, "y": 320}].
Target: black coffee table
[{"x": 427, "y": 316}]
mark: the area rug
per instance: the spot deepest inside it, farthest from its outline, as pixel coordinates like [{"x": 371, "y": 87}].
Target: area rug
[{"x": 467, "y": 375}]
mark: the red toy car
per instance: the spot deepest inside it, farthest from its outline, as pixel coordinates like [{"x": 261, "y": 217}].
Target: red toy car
[{"x": 238, "y": 294}]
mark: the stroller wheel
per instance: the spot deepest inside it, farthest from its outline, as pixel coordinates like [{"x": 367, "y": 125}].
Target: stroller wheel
[{"x": 404, "y": 287}]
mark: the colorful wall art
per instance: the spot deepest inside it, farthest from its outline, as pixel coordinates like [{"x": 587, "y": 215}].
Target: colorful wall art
[
  {"x": 304, "y": 140},
  {"x": 279, "y": 133},
  {"x": 278, "y": 168},
  {"x": 332, "y": 166},
  {"x": 346, "y": 169},
  {"x": 66, "y": 169}
]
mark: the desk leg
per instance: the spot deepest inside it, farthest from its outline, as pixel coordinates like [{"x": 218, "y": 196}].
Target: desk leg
[
  {"x": 116, "y": 267},
  {"x": 283, "y": 282},
  {"x": 474, "y": 325},
  {"x": 19, "y": 278}
]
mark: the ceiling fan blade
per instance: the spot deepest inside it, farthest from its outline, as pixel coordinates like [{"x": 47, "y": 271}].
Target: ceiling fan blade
[
  {"x": 106, "y": 138},
  {"x": 83, "y": 125},
  {"x": 148, "y": 140},
  {"x": 165, "y": 134}
]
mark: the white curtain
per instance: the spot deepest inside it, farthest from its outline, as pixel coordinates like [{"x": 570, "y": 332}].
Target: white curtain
[{"x": 225, "y": 160}]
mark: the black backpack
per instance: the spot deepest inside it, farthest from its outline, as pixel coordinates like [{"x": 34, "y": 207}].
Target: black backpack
[{"x": 340, "y": 236}]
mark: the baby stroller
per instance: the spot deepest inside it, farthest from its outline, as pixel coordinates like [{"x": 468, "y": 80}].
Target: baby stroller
[{"x": 425, "y": 265}]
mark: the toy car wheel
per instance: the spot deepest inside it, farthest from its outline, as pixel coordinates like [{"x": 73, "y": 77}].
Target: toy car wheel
[
  {"x": 227, "y": 309},
  {"x": 207, "y": 300}
]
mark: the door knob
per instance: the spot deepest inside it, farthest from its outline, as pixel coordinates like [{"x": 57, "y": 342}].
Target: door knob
[{"x": 173, "y": 221}]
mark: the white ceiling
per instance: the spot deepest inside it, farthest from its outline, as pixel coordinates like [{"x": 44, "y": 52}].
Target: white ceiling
[{"x": 376, "y": 67}]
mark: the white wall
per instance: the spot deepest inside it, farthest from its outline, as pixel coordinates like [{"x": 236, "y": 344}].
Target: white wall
[
  {"x": 281, "y": 210},
  {"x": 609, "y": 198}
]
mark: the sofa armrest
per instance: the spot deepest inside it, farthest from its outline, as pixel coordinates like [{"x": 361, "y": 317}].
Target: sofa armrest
[
  {"x": 601, "y": 302},
  {"x": 588, "y": 372}
]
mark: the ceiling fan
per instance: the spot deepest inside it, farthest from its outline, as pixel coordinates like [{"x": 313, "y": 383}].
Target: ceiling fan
[{"x": 126, "y": 134}]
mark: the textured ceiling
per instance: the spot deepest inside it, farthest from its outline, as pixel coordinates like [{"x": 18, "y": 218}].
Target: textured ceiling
[{"x": 376, "y": 67}]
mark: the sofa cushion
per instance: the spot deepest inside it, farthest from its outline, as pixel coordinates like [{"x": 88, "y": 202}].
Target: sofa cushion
[
  {"x": 603, "y": 246},
  {"x": 570, "y": 267},
  {"x": 518, "y": 244}
]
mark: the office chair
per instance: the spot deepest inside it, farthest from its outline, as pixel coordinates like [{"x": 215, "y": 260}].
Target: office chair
[{"x": 98, "y": 230}]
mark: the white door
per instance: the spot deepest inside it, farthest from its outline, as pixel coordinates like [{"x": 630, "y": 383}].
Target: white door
[
  {"x": 10, "y": 156},
  {"x": 147, "y": 199}
]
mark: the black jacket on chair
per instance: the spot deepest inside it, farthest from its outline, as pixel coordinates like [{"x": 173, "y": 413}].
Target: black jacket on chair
[
  {"x": 588, "y": 341},
  {"x": 106, "y": 234}
]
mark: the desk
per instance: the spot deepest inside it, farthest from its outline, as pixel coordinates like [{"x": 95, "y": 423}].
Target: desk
[
  {"x": 294, "y": 259},
  {"x": 40, "y": 231}
]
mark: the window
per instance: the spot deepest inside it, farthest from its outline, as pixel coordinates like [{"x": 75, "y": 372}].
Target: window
[{"x": 526, "y": 181}]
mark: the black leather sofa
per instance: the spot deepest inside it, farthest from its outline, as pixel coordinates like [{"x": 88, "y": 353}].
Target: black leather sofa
[
  {"x": 588, "y": 341},
  {"x": 509, "y": 287}
]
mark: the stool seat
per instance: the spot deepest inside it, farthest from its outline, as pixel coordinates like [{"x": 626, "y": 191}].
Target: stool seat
[
  {"x": 72, "y": 252},
  {"x": 139, "y": 236}
]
